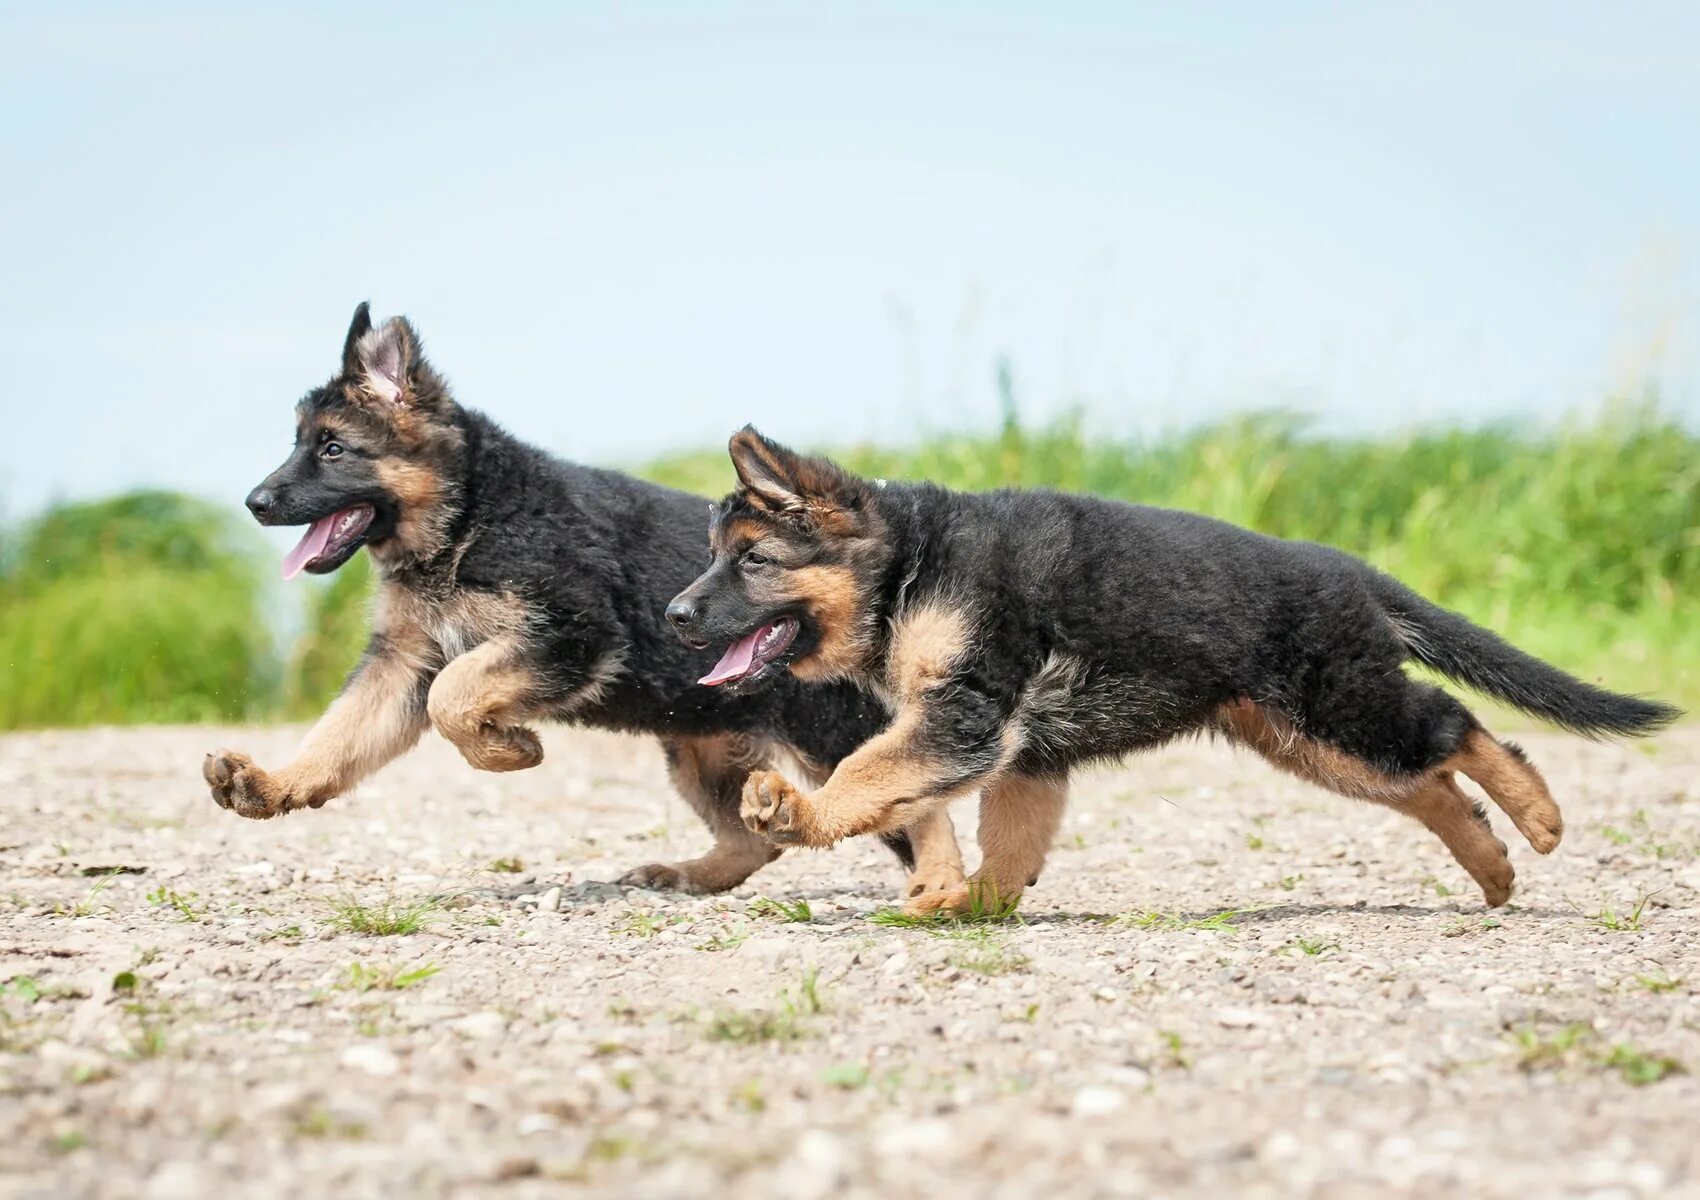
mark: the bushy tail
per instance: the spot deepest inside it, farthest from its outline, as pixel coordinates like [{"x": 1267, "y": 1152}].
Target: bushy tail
[{"x": 1482, "y": 660}]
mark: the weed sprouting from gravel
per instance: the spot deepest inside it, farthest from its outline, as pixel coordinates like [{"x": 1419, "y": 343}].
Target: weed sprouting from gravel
[
  {"x": 321, "y": 1124},
  {"x": 388, "y": 917},
  {"x": 1661, "y": 982},
  {"x": 726, "y": 939},
  {"x": 1638, "y": 1067},
  {"x": 796, "y": 913},
  {"x": 644, "y": 925},
  {"x": 783, "y": 1024},
  {"x": 982, "y": 951},
  {"x": 506, "y": 866},
  {"x": 182, "y": 905},
  {"x": 1612, "y": 921},
  {"x": 1578, "y": 1045},
  {"x": 848, "y": 1075},
  {"x": 385, "y": 977},
  {"x": 90, "y": 904},
  {"x": 1222, "y": 922},
  {"x": 1309, "y": 947}
]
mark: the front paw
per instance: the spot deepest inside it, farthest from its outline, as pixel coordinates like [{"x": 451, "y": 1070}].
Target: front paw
[
  {"x": 775, "y": 810},
  {"x": 237, "y": 784}
]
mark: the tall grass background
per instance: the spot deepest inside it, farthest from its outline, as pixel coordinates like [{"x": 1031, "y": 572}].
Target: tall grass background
[{"x": 1581, "y": 543}]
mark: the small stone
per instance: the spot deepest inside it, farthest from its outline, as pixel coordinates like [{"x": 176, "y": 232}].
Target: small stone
[
  {"x": 480, "y": 1025},
  {"x": 1238, "y": 1018},
  {"x": 550, "y": 901},
  {"x": 372, "y": 1058},
  {"x": 1096, "y": 1100}
]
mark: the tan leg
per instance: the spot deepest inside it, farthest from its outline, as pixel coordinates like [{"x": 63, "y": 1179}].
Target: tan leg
[
  {"x": 1450, "y": 816},
  {"x": 710, "y": 773},
  {"x": 1511, "y": 782},
  {"x": 1432, "y": 798},
  {"x": 884, "y": 785},
  {"x": 938, "y": 859},
  {"x": 1019, "y": 816},
  {"x": 479, "y": 702},
  {"x": 379, "y": 716}
]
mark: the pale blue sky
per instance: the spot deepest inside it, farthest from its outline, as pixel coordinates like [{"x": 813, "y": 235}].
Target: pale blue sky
[{"x": 624, "y": 230}]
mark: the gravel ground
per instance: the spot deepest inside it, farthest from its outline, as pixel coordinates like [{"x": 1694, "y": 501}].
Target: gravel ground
[{"x": 1357, "y": 1025}]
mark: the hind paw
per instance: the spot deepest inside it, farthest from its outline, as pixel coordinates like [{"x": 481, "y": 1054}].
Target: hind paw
[{"x": 502, "y": 748}]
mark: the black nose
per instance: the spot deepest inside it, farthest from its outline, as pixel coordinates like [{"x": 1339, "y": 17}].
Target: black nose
[
  {"x": 682, "y": 614},
  {"x": 261, "y": 501}
]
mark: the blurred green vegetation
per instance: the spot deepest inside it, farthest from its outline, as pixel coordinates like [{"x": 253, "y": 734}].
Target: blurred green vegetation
[
  {"x": 145, "y": 607},
  {"x": 1578, "y": 543}
]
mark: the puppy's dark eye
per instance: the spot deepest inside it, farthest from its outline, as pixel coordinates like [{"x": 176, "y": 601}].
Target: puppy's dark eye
[
  {"x": 752, "y": 559},
  {"x": 331, "y": 450}
]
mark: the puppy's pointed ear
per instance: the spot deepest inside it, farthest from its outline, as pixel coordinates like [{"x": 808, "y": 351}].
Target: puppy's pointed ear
[
  {"x": 357, "y": 329},
  {"x": 782, "y": 481},
  {"x": 765, "y": 470},
  {"x": 385, "y": 360}
]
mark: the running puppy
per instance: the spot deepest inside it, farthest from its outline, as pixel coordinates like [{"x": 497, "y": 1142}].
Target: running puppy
[
  {"x": 518, "y": 588},
  {"x": 1013, "y": 635}
]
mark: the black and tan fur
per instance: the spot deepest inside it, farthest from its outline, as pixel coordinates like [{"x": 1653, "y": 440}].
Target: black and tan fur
[
  {"x": 517, "y": 588},
  {"x": 1016, "y": 634}
]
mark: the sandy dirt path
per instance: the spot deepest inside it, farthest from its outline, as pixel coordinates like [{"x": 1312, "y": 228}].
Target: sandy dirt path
[{"x": 1358, "y": 1025}]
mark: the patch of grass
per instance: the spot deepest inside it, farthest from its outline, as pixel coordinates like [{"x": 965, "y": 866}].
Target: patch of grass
[
  {"x": 90, "y": 904},
  {"x": 1253, "y": 842},
  {"x": 1612, "y": 921},
  {"x": 182, "y": 905},
  {"x": 1638, "y": 1067},
  {"x": 725, "y": 939},
  {"x": 982, "y": 951},
  {"x": 289, "y": 933},
  {"x": 389, "y": 917},
  {"x": 1662, "y": 982},
  {"x": 761, "y": 1025},
  {"x": 319, "y": 1124},
  {"x": 385, "y": 977},
  {"x": 849, "y": 1076},
  {"x": 1578, "y": 1045},
  {"x": 1221, "y": 922},
  {"x": 1174, "y": 1049},
  {"x": 749, "y": 1097},
  {"x": 506, "y": 866},
  {"x": 1537, "y": 1050},
  {"x": 1311, "y": 947},
  {"x": 797, "y": 912},
  {"x": 783, "y": 1024},
  {"x": 644, "y": 925}
]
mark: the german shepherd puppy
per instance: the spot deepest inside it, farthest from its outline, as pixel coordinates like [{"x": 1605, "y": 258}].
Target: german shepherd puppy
[
  {"x": 518, "y": 588},
  {"x": 1015, "y": 634}
]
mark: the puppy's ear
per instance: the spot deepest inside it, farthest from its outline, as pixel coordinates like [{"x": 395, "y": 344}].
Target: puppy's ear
[
  {"x": 357, "y": 329},
  {"x": 765, "y": 471},
  {"x": 385, "y": 360},
  {"x": 782, "y": 481}
]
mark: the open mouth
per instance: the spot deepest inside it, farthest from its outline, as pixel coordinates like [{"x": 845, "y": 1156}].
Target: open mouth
[
  {"x": 329, "y": 541},
  {"x": 750, "y": 655}
]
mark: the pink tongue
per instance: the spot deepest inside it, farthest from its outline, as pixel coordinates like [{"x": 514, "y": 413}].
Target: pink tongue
[
  {"x": 736, "y": 661},
  {"x": 311, "y": 545}
]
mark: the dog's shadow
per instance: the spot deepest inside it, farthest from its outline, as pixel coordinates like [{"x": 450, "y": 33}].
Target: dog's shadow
[{"x": 885, "y": 909}]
